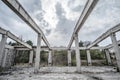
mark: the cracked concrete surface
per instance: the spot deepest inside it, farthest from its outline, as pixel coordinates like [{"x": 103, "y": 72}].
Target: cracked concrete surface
[{"x": 62, "y": 73}]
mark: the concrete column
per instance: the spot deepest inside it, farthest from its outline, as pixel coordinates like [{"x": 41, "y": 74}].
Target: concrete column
[
  {"x": 78, "y": 60},
  {"x": 116, "y": 49},
  {"x": 107, "y": 53},
  {"x": 50, "y": 58},
  {"x": 38, "y": 49},
  {"x": 89, "y": 58},
  {"x": 16, "y": 55},
  {"x": 5, "y": 58},
  {"x": 2, "y": 47},
  {"x": 31, "y": 57},
  {"x": 10, "y": 57},
  {"x": 69, "y": 57},
  {"x": 13, "y": 57}
]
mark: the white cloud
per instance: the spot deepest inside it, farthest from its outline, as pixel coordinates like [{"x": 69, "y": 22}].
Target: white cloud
[
  {"x": 105, "y": 16},
  {"x": 48, "y": 6}
]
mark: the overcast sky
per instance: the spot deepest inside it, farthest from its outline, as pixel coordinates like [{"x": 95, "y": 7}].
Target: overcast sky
[{"x": 57, "y": 19}]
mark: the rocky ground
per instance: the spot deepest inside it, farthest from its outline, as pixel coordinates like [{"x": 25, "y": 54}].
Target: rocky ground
[{"x": 61, "y": 73}]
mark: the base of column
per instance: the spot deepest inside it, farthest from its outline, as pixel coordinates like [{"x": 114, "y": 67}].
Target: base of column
[
  {"x": 78, "y": 70},
  {"x": 89, "y": 64},
  {"x": 30, "y": 64},
  {"x": 49, "y": 64},
  {"x": 69, "y": 64},
  {"x": 36, "y": 71}
]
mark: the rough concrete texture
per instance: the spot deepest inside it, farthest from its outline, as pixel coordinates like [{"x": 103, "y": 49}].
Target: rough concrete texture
[{"x": 62, "y": 73}]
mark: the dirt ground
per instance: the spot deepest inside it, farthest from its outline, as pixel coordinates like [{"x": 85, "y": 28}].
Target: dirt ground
[{"x": 61, "y": 73}]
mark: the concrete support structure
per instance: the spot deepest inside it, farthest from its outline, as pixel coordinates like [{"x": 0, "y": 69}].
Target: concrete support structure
[
  {"x": 89, "y": 6},
  {"x": 89, "y": 58},
  {"x": 37, "y": 59},
  {"x": 78, "y": 60},
  {"x": 116, "y": 50},
  {"x": 50, "y": 58},
  {"x": 107, "y": 53},
  {"x": 22, "y": 13},
  {"x": 5, "y": 58},
  {"x": 2, "y": 47},
  {"x": 31, "y": 58},
  {"x": 69, "y": 57}
]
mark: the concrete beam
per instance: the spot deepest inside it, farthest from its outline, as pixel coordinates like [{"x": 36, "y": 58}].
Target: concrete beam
[
  {"x": 105, "y": 35},
  {"x": 9, "y": 47},
  {"x": 15, "y": 6},
  {"x": 13, "y": 37},
  {"x": 85, "y": 13},
  {"x": 111, "y": 45},
  {"x": 58, "y": 48}
]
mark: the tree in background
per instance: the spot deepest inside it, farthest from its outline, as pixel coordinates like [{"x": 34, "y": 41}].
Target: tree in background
[{"x": 29, "y": 42}]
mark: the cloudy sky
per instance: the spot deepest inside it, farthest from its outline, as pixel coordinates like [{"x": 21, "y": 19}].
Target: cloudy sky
[{"x": 57, "y": 19}]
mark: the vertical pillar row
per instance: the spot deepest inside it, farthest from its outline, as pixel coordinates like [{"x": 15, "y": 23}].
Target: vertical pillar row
[
  {"x": 38, "y": 49},
  {"x": 2, "y": 47},
  {"x": 116, "y": 49},
  {"x": 78, "y": 60}
]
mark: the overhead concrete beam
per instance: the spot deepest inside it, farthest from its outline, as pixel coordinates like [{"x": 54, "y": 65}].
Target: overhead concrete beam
[
  {"x": 85, "y": 13},
  {"x": 15, "y": 6},
  {"x": 9, "y": 47},
  {"x": 12, "y": 36},
  {"x": 111, "y": 45},
  {"x": 105, "y": 35},
  {"x": 57, "y": 48}
]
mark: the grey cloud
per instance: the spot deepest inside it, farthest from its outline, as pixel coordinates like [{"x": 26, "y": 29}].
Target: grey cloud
[
  {"x": 48, "y": 31},
  {"x": 64, "y": 25},
  {"x": 106, "y": 10}
]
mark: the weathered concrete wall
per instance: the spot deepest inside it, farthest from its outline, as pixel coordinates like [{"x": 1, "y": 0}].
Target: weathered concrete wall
[{"x": 8, "y": 58}]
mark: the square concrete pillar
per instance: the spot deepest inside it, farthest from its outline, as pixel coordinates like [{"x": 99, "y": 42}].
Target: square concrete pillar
[
  {"x": 89, "y": 58},
  {"x": 69, "y": 57},
  {"x": 107, "y": 53},
  {"x": 78, "y": 59},
  {"x": 37, "y": 56},
  {"x": 2, "y": 47},
  {"x": 50, "y": 58},
  {"x": 31, "y": 58},
  {"x": 5, "y": 58},
  {"x": 116, "y": 49}
]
